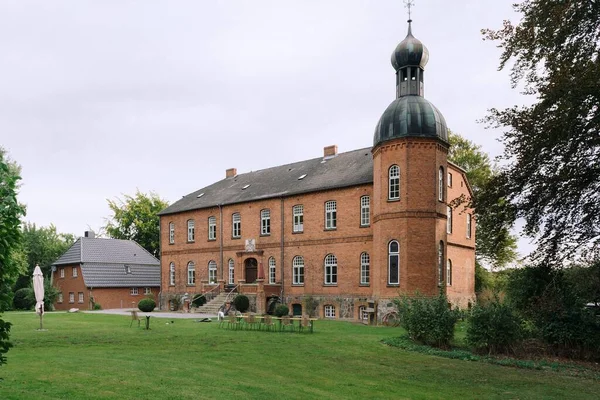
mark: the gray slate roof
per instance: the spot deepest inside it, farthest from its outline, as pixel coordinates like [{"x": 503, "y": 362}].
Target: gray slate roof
[
  {"x": 103, "y": 263},
  {"x": 344, "y": 170}
]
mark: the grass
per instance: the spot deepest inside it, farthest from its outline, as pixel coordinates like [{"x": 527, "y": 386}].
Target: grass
[{"x": 94, "y": 356}]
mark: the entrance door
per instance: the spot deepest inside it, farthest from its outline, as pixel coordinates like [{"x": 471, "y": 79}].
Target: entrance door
[{"x": 251, "y": 270}]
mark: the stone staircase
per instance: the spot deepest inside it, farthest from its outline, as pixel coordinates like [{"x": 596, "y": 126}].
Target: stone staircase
[{"x": 212, "y": 306}]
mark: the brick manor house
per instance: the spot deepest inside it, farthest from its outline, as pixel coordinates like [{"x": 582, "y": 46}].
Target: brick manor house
[{"x": 343, "y": 231}]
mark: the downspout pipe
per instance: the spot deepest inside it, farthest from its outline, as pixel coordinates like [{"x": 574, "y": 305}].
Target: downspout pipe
[
  {"x": 221, "y": 239},
  {"x": 282, "y": 250}
]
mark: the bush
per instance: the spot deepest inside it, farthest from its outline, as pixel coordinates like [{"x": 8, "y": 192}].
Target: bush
[
  {"x": 282, "y": 310},
  {"x": 199, "y": 301},
  {"x": 428, "y": 320},
  {"x": 241, "y": 303},
  {"x": 147, "y": 305},
  {"x": 24, "y": 299},
  {"x": 493, "y": 327}
]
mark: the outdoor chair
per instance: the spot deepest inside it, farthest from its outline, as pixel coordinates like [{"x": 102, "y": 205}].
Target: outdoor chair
[
  {"x": 251, "y": 321},
  {"x": 134, "y": 317},
  {"x": 232, "y": 321},
  {"x": 286, "y": 322},
  {"x": 268, "y": 322},
  {"x": 305, "y": 323}
]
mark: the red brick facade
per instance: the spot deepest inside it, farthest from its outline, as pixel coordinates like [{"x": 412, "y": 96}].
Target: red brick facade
[{"x": 417, "y": 220}]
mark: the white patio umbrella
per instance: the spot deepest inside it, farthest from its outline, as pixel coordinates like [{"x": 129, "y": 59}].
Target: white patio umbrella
[{"x": 38, "y": 288}]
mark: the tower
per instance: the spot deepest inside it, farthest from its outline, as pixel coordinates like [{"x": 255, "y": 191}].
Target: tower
[{"x": 410, "y": 148}]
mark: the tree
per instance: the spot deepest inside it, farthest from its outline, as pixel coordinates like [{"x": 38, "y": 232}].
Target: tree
[
  {"x": 552, "y": 148},
  {"x": 10, "y": 235},
  {"x": 495, "y": 245},
  {"x": 136, "y": 219},
  {"x": 41, "y": 246}
]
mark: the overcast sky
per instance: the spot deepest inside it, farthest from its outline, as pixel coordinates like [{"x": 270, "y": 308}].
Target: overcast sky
[{"x": 100, "y": 98}]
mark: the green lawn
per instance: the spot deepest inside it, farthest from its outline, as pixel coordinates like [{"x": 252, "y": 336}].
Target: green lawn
[{"x": 93, "y": 356}]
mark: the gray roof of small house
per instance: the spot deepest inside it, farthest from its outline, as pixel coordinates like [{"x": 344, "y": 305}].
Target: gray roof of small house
[
  {"x": 345, "y": 169},
  {"x": 115, "y": 275},
  {"x": 109, "y": 251}
]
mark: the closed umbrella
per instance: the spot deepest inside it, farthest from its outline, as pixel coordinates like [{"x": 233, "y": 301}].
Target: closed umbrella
[{"x": 38, "y": 288}]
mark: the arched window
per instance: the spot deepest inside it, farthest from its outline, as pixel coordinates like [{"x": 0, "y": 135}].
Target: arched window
[
  {"x": 191, "y": 273},
  {"x": 393, "y": 263},
  {"x": 330, "y": 270},
  {"x": 330, "y": 215},
  {"x": 212, "y": 272},
  {"x": 231, "y": 265},
  {"x": 449, "y": 219},
  {"x": 191, "y": 230},
  {"x": 469, "y": 226},
  {"x": 298, "y": 270},
  {"x": 441, "y": 263},
  {"x": 441, "y": 184},
  {"x": 271, "y": 270},
  {"x": 171, "y": 232},
  {"x": 172, "y": 274},
  {"x": 449, "y": 273},
  {"x": 364, "y": 269},
  {"x": 394, "y": 183}
]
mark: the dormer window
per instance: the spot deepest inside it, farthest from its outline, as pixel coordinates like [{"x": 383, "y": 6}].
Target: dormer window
[{"x": 128, "y": 270}]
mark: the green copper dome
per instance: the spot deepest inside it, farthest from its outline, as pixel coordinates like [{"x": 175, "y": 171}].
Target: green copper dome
[
  {"x": 410, "y": 52},
  {"x": 410, "y": 116}
]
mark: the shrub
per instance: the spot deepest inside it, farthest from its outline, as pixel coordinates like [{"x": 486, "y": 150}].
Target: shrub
[
  {"x": 174, "y": 302},
  {"x": 24, "y": 299},
  {"x": 146, "y": 305},
  {"x": 282, "y": 310},
  {"x": 97, "y": 306},
  {"x": 493, "y": 327},
  {"x": 199, "y": 300},
  {"x": 428, "y": 320},
  {"x": 310, "y": 306},
  {"x": 241, "y": 303}
]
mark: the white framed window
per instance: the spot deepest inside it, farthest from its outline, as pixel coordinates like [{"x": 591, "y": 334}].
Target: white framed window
[
  {"x": 212, "y": 228},
  {"x": 191, "y": 230},
  {"x": 330, "y": 215},
  {"x": 363, "y": 315},
  {"x": 365, "y": 211},
  {"x": 469, "y": 218},
  {"x": 75, "y": 272},
  {"x": 329, "y": 311},
  {"x": 172, "y": 274},
  {"x": 265, "y": 222},
  {"x": 231, "y": 276},
  {"x": 191, "y": 273},
  {"x": 449, "y": 273},
  {"x": 133, "y": 291},
  {"x": 441, "y": 176},
  {"x": 364, "y": 268},
  {"x": 298, "y": 214},
  {"x": 71, "y": 297},
  {"x": 62, "y": 272},
  {"x": 60, "y": 297},
  {"x": 298, "y": 270},
  {"x": 441, "y": 262},
  {"x": 212, "y": 271},
  {"x": 236, "y": 225},
  {"x": 449, "y": 219},
  {"x": 272, "y": 270},
  {"x": 393, "y": 263},
  {"x": 449, "y": 179},
  {"x": 394, "y": 183},
  {"x": 80, "y": 297},
  {"x": 330, "y": 269},
  {"x": 147, "y": 291},
  {"x": 171, "y": 232}
]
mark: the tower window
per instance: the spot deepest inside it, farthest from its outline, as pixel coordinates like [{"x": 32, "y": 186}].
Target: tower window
[
  {"x": 449, "y": 220},
  {"x": 364, "y": 268},
  {"x": 441, "y": 184},
  {"x": 365, "y": 214},
  {"x": 441, "y": 263},
  {"x": 394, "y": 183},
  {"x": 393, "y": 263}
]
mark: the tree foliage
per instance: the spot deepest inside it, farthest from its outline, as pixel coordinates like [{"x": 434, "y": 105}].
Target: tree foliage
[
  {"x": 495, "y": 245},
  {"x": 136, "y": 218},
  {"x": 552, "y": 147},
  {"x": 10, "y": 235}
]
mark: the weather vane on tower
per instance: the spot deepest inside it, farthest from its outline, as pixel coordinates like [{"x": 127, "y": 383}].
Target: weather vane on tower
[{"x": 408, "y": 4}]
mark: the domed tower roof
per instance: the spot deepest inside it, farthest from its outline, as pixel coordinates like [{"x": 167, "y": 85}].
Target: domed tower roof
[
  {"x": 410, "y": 115},
  {"x": 410, "y": 52}
]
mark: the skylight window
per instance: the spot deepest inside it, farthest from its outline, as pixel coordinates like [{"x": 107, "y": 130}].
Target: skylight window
[
  {"x": 245, "y": 187},
  {"x": 200, "y": 195},
  {"x": 302, "y": 177}
]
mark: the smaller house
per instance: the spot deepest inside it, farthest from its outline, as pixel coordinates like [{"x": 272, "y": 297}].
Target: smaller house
[{"x": 113, "y": 273}]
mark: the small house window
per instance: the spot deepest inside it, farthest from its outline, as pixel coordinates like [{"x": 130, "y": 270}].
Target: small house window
[
  {"x": 191, "y": 230},
  {"x": 265, "y": 222},
  {"x": 298, "y": 214},
  {"x": 330, "y": 215},
  {"x": 212, "y": 228},
  {"x": 237, "y": 225},
  {"x": 329, "y": 311}
]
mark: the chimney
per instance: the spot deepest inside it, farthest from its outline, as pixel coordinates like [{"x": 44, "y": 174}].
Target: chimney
[
  {"x": 89, "y": 234},
  {"x": 330, "y": 151},
  {"x": 231, "y": 172}
]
